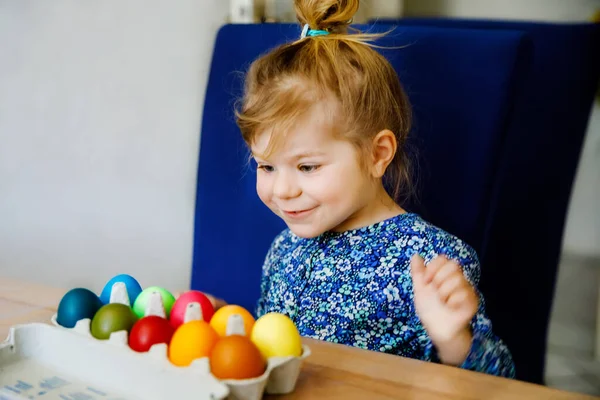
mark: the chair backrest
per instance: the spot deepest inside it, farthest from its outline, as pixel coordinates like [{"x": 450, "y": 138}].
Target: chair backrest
[
  {"x": 546, "y": 128},
  {"x": 461, "y": 84}
]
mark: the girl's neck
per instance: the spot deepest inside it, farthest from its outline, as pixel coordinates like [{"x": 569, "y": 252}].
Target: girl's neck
[{"x": 379, "y": 208}]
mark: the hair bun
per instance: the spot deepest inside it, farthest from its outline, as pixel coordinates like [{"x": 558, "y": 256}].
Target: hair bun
[{"x": 331, "y": 15}]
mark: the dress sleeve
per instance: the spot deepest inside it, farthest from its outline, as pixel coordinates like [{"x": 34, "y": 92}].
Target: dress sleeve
[{"x": 488, "y": 353}]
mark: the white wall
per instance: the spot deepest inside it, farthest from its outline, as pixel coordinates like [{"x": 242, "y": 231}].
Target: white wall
[
  {"x": 582, "y": 233},
  {"x": 543, "y": 10},
  {"x": 283, "y": 10},
  {"x": 379, "y": 8},
  {"x": 100, "y": 108}
]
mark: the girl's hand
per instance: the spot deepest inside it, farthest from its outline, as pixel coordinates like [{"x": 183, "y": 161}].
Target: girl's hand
[{"x": 445, "y": 303}]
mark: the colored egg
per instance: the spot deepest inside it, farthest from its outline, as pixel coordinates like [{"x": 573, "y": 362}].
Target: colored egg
[
  {"x": 132, "y": 286},
  {"x": 111, "y": 318},
  {"x": 178, "y": 311},
  {"x": 149, "y": 331},
  {"x": 139, "y": 307},
  {"x": 221, "y": 317},
  {"x": 236, "y": 357},
  {"x": 276, "y": 335},
  {"x": 76, "y": 304},
  {"x": 192, "y": 340}
]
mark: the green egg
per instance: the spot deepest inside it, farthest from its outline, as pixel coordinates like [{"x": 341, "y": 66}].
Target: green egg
[
  {"x": 111, "y": 318},
  {"x": 139, "y": 307}
]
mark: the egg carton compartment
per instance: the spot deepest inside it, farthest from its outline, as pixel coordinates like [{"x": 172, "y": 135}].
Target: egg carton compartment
[
  {"x": 41, "y": 361},
  {"x": 280, "y": 376}
]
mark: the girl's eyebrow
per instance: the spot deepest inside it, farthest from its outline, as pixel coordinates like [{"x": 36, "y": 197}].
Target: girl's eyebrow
[
  {"x": 308, "y": 154},
  {"x": 296, "y": 157}
]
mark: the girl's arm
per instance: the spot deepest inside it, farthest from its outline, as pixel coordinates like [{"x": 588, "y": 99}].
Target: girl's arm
[
  {"x": 452, "y": 309},
  {"x": 488, "y": 353}
]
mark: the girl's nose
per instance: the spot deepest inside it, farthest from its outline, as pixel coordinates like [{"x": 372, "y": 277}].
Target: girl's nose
[{"x": 285, "y": 186}]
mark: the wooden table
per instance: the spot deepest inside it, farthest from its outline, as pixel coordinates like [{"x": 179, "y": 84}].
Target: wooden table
[{"x": 332, "y": 371}]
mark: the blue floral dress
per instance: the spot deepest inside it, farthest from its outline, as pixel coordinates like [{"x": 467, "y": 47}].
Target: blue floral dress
[{"x": 355, "y": 288}]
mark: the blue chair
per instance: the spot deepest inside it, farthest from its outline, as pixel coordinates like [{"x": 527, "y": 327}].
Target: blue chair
[
  {"x": 462, "y": 84},
  {"x": 523, "y": 238}
]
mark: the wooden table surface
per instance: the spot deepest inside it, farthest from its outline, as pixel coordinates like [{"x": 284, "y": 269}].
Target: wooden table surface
[{"x": 332, "y": 371}]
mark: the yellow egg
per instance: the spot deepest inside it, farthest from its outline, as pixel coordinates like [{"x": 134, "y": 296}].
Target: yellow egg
[
  {"x": 276, "y": 334},
  {"x": 221, "y": 317}
]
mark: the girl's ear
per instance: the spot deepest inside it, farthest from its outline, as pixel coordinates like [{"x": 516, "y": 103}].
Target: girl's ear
[{"x": 384, "y": 148}]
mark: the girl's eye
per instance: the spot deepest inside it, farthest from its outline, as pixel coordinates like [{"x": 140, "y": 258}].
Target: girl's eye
[
  {"x": 309, "y": 168},
  {"x": 266, "y": 168}
]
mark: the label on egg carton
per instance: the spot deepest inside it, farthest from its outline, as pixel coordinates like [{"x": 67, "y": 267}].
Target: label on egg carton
[
  {"x": 280, "y": 376},
  {"x": 42, "y": 361},
  {"x": 27, "y": 380}
]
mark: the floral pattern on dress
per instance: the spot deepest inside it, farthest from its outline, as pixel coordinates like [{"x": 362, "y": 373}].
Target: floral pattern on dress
[{"x": 355, "y": 288}]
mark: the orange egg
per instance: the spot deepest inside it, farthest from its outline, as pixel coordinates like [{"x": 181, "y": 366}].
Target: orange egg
[
  {"x": 236, "y": 357},
  {"x": 221, "y": 317},
  {"x": 192, "y": 340}
]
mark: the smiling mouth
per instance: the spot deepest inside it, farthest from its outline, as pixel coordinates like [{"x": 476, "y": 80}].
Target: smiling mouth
[{"x": 298, "y": 214}]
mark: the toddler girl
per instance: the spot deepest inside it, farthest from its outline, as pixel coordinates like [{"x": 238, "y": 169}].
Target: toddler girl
[{"x": 326, "y": 120}]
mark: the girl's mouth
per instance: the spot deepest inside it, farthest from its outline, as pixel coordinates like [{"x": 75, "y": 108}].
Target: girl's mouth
[{"x": 298, "y": 214}]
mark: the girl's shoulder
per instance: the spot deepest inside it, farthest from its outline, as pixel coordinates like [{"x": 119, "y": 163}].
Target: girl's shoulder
[
  {"x": 406, "y": 234},
  {"x": 406, "y": 229},
  {"x": 430, "y": 241}
]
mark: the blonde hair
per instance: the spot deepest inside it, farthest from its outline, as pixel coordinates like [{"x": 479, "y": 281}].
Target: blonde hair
[{"x": 284, "y": 84}]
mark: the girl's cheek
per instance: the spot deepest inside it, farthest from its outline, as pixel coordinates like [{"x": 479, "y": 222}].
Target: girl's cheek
[
  {"x": 262, "y": 189},
  {"x": 326, "y": 188}
]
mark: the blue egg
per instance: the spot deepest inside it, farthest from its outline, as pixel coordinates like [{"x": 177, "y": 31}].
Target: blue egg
[
  {"x": 77, "y": 304},
  {"x": 132, "y": 286}
]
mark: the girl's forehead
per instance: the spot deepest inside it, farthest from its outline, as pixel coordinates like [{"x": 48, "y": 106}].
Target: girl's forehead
[{"x": 308, "y": 136}]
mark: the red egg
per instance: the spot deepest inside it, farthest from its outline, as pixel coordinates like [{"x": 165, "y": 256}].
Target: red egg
[
  {"x": 177, "y": 316},
  {"x": 149, "y": 331}
]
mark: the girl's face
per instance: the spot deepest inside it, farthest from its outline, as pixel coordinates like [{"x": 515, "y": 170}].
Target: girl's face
[{"x": 314, "y": 181}]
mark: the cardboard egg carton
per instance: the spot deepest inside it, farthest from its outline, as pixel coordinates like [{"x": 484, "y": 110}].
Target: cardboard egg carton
[
  {"x": 280, "y": 376},
  {"x": 41, "y": 361}
]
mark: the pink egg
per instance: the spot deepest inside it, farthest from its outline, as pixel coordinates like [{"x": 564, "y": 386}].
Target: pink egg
[{"x": 180, "y": 306}]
